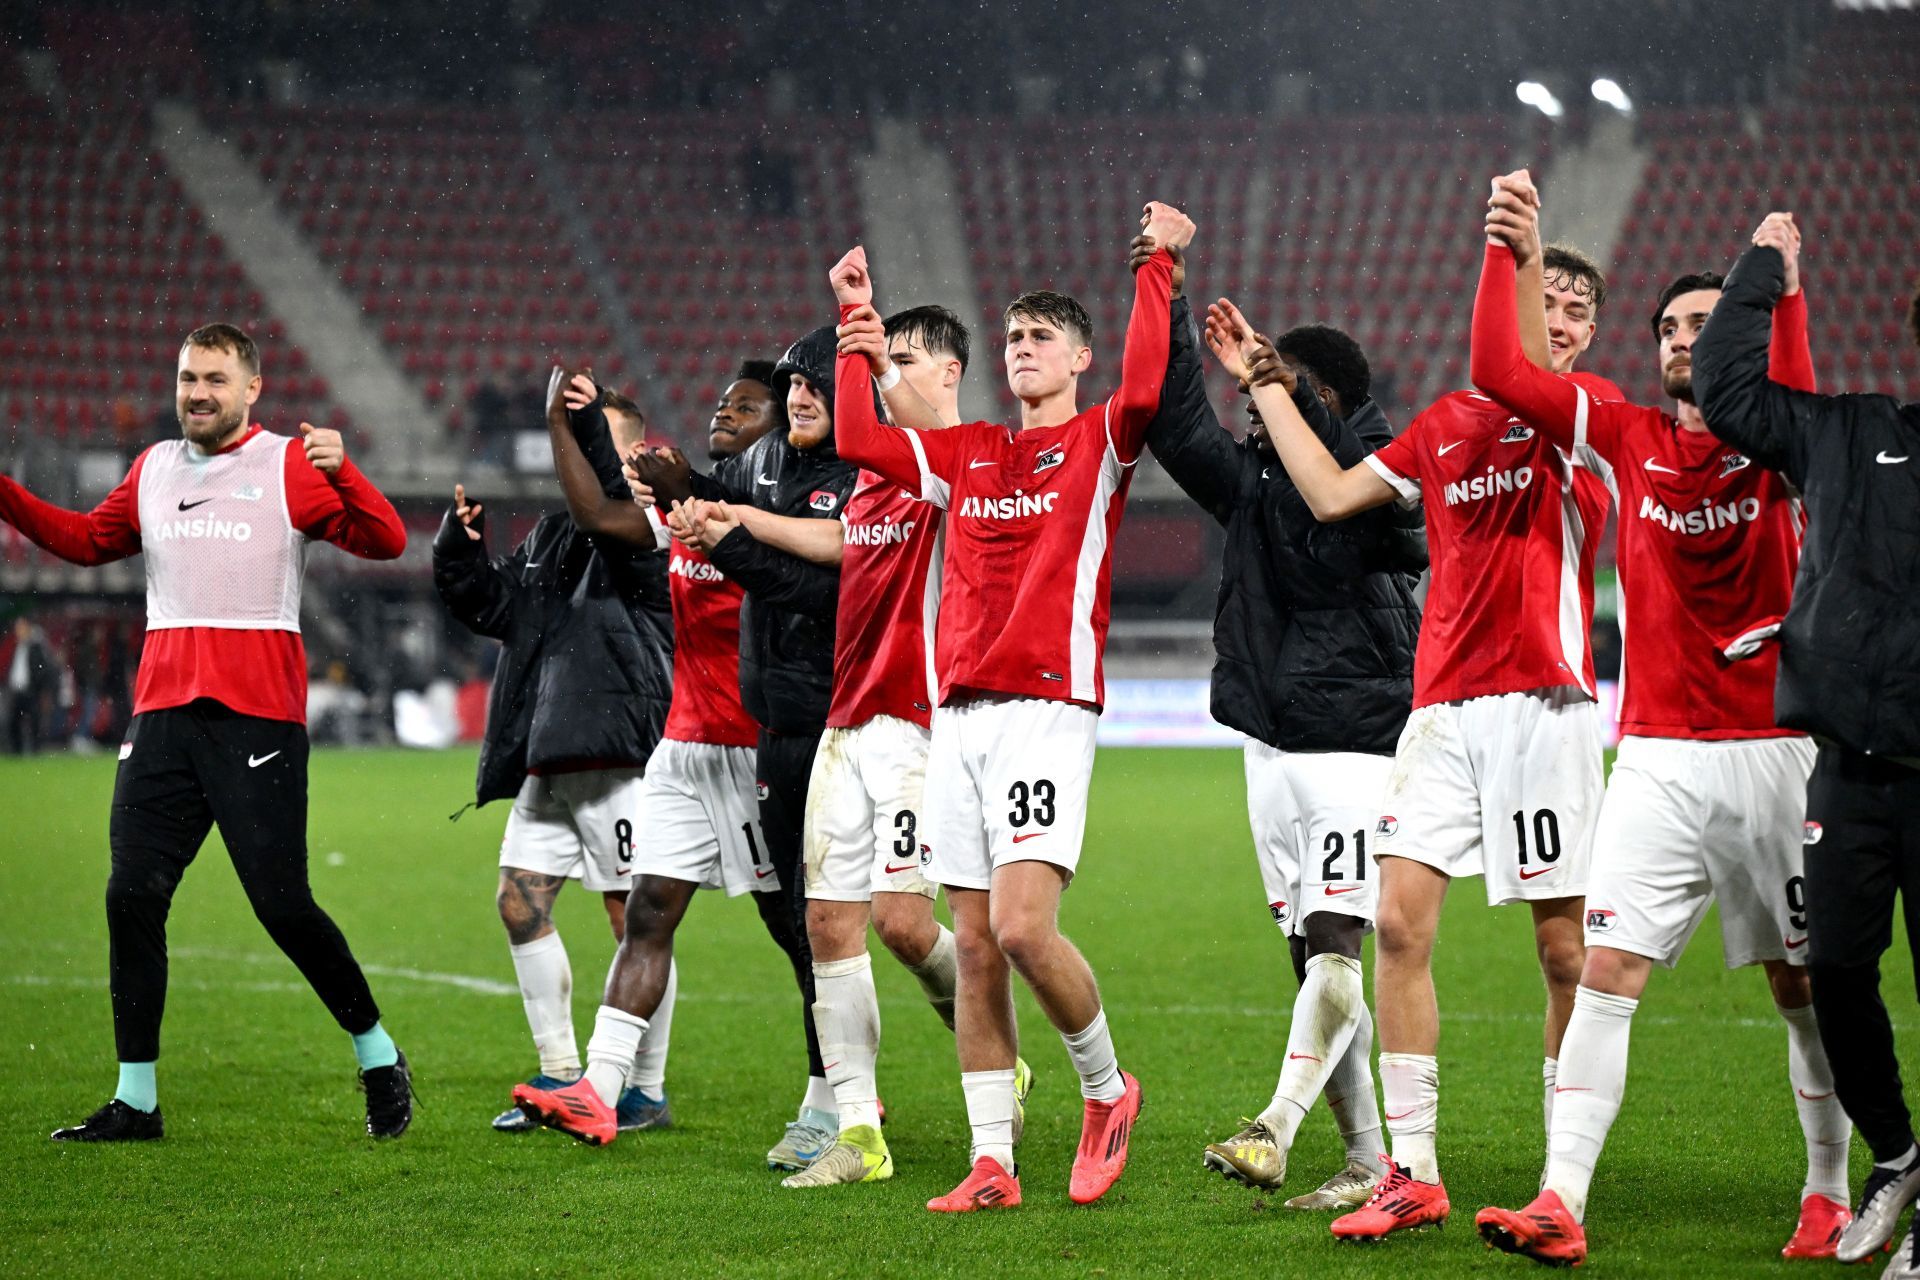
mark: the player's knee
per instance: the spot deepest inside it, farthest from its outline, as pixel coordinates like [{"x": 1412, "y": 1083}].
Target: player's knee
[
  {"x": 131, "y": 895},
  {"x": 1617, "y": 973},
  {"x": 1397, "y": 935},
  {"x": 1564, "y": 959},
  {"x": 1792, "y": 988},
  {"x": 281, "y": 914},
  {"x": 905, "y": 926},
  {"x": 1025, "y": 939},
  {"x": 1329, "y": 933}
]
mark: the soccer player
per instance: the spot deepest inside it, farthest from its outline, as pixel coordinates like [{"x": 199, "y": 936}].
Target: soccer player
[
  {"x": 864, "y": 856},
  {"x": 1849, "y": 676},
  {"x": 579, "y": 697},
  {"x": 1498, "y": 771},
  {"x": 1314, "y": 634},
  {"x": 785, "y": 655},
  {"x": 1708, "y": 798},
  {"x": 1032, "y": 511},
  {"x": 224, "y": 516}
]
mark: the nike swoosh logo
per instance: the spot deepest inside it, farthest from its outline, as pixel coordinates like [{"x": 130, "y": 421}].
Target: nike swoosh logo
[
  {"x": 1443, "y": 450},
  {"x": 764, "y": 480},
  {"x": 1031, "y": 835},
  {"x": 1572, "y": 1088},
  {"x": 1403, "y": 1115},
  {"x": 1651, "y": 465},
  {"x": 1881, "y": 457},
  {"x": 1814, "y": 1097},
  {"x": 1528, "y": 875},
  {"x": 763, "y": 874},
  {"x": 623, "y": 871},
  {"x": 188, "y": 506},
  {"x": 1794, "y": 944},
  {"x": 1296, "y": 1057},
  {"x": 1334, "y": 893},
  {"x": 905, "y": 866},
  {"x": 254, "y": 762},
  {"x": 978, "y": 463},
  {"x": 532, "y": 564}
]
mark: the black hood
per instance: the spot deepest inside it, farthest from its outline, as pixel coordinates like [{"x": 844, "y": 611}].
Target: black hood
[{"x": 813, "y": 357}]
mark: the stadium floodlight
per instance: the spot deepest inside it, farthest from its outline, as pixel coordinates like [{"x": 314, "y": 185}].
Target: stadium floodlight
[
  {"x": 1538, "y": 96},
  {"x": 1609, "y": 92}
]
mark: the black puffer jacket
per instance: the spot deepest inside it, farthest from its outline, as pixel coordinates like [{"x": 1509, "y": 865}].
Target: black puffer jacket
[
  {"x": 1315, "y": 626},
  {"x": 585, "y": 671},
  {"x": 787, "y": 622},
  {"x": 1850, "y": 646}
]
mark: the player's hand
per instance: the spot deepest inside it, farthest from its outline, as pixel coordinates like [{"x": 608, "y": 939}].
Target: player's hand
[
  {"x": 1142, "y": 248},
  {"x": 325, "y": 450},
  {"x": 1266, "y": 368},
  {"x": 852, "y": 285},
  {"x": 1779, "y": 231},
  {"x": 642, "y": 491},
  {"x": 580, "y": 392},
  {"x": 1513, "y": 216},
  {"x": 1235, "y": 343},
  {"x": 470, "y": 515},
  {"x": 863, "y": 334},
  {"x": 665, "y": 471},
  {"x": 1166, "y": 226}
]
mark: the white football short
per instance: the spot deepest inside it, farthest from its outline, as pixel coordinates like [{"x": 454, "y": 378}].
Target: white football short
[
  {"x": 1313, "y": 813},
  {"x": 1687, "y": 822},
  {"x": 700, "y": 819},
  {"x": 1007, "y": 782},
  {"x": 863, "y": 812},
  {"x": 577, "y": 825},
  {"x": 1507, "y": 786}
]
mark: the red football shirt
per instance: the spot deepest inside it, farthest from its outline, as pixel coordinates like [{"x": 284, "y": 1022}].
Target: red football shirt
[
  {"x": 889, "y": 598},
  {"x": 255, "y": 672},
  {"x": 1708, "y": 542},
  {"x": 706, "y": 703},
  {"x": 1513, "y": 528},
  {"x": 1031, "y": 516}
]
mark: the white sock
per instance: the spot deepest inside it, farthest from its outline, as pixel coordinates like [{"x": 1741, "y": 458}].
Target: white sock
[
  {"x": 1549, "y": 1079},
  {"x": 846, "y": 1012},
  {"x": 1593, "y": 1078},
  {"x": 1411, "y": 1082},
  {"x": 818, "y": 1106},
  {"x": 938, "y": 975},
  {"x": 1332, "y": 1001},
  {"x": 546, "y": 989},
  {"x": 1825, "y": 1125},
  {"x": 1350, "y": 1096},
  {"x": 616, "y": 1038},
  {"x": 1091, "y": 1049},
  {"x": 990, "y": 1108},
  {"x": 650, "y": 1063}
]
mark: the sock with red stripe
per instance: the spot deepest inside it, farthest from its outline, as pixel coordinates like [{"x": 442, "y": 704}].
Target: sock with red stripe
[
  {"x": 1823, "y": 1123},
  {"x": 1332, "y": 1002},
  {"x": 1411, "y": 1082},
  {"x": 847, "y": 1013},
  {"x": 1091, "y": 1049},
  {"x": 1592, "y": 1080}
]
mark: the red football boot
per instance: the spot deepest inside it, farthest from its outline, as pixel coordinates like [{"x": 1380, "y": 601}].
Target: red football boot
[
  {"x": 1104, "y": 1133},
  {"x": 988, "y": 1187},
  {"x": 1543, "y": 1231},
  {"x": 1821, "y": 1222},
  {"x": 575, "y": 1110},
  {"x": 1397, "y": 1204}
]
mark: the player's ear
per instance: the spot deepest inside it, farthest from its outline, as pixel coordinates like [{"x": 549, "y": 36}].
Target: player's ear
[
  {"x": 1082, "y": 359},
  {"x": 253, "y": 389}
]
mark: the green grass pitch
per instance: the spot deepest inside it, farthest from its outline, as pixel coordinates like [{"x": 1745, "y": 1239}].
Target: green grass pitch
[{"x": 265, "y": 1169}]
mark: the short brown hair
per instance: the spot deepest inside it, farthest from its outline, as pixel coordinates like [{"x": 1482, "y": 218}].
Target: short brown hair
[
  {"x": 1569, "y": 266},
  {"x": 1056, "y": 309},
  {"x": 611, "y": 399},
  {"x": 226, "y": 337}
]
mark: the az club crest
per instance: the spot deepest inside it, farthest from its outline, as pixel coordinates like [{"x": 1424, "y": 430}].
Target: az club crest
[
  {"x": 1387, "y": 825},
  {"x": 823, "y": 500},
  {"x": 1517, "y": 432},
  {"x": 1600, "y": 920},
  {"x": 1814, "y": 832},
  {"x": 1050, "y": 458},
  {"x": 1734, "y": 462},
  {"x": 1280, "y": 913}
]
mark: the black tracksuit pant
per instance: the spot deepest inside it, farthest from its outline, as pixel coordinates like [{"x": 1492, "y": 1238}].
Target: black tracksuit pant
[
  {"x": 1865, "y": 849},
  {"x": 183, "y": 770},
  {"x": 784, "y": 765}
]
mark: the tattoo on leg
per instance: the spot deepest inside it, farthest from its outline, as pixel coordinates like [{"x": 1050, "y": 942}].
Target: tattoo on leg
[{"x": 526, "y": 903}]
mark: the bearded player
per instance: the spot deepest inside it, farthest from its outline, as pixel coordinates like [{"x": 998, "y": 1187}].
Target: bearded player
[
  {"x": 1032, "y": 511},
  {"x": 1498, "y": 772},
  {"x": 224, "y": 517},
  {"x": 1707, "y": 801}
]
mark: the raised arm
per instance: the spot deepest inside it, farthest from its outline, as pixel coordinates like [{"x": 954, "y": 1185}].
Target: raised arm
[
  {"x": 1499, "y": 366},
  {"x": 331, "y": 500},
  {"x": 595, "y": 511},
  {"x": 107, "y": 533},
  {"x": 1143, "y": 365},
  {"x": 1741, "y": 405},
  {"x": 861, "y": 330},
  {"x": 1333, "y": 492},
  {"x": 477, "y": 590},
  {"x": 1185, "y": 435},
  {"x": 1789, "y": 357}
]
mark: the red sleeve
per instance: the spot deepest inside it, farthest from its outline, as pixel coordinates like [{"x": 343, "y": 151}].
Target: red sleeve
[
  {"x": 1401, "y": 455},
  {"x": 1789, "y": 358},
  {"x": 922, "y": 462},
  {"x": 344, "y": 509},
  {"x": 111, "y": 531},
  {"x": 1143, "y": 366},
  {"x": 1499, "y": 366}
]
